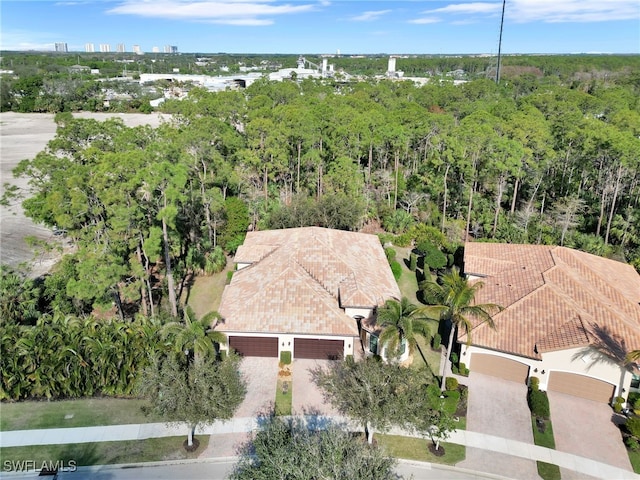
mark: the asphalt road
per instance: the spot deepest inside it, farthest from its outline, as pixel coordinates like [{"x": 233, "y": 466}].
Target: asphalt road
[{"x": 220, "y": 469}]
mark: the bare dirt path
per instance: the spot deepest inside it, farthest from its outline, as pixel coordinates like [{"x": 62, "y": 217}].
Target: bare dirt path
[{"x": 23, "y": 136}]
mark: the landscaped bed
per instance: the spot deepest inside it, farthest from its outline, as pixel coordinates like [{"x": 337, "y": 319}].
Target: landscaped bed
[
  {"x": 104, "y": 453},
  {"x": 411, "y": 448}
]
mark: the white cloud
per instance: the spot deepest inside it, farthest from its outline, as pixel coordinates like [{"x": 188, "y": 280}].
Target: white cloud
[
  {"x": 425, "y": 20},
  {"x": 229, "y": 12},
  {"x": 26, "y": 40},
  {"x": 370, "y": 16},
  {"x": 549, "y": 11}
]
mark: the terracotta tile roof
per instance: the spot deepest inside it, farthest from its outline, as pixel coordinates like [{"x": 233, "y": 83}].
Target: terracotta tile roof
[
  {"x": 301, "y": 279},
  {"x": 552, "y": 297}
]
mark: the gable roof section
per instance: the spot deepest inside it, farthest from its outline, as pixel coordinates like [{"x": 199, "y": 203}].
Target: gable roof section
[
  {"x": 300, "y": 280},
  {"x": 552, "y": 298}
]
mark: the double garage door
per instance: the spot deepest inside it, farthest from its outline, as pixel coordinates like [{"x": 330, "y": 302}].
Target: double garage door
[{"x": 302, "y": 347}]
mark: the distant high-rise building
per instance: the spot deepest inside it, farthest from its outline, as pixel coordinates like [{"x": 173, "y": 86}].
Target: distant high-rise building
[
  {"x": 89, "y": 47},
  {"x": 170, "y": 49},
  {"x": 120, "y": 48},
  {"x": 137, "y": 49},
  {"x": 105, "y": 47},
  {"x": 155, "y": 50},
  {"x": 61, "y": 47}
]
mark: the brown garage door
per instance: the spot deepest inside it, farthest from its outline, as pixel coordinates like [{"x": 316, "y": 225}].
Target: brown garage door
[
  {"x": 499, "y": 367},
  {"x": 580, "y": 386},
  {"x": 319, "y": 349},
  {"x": 255, "y": 346}
]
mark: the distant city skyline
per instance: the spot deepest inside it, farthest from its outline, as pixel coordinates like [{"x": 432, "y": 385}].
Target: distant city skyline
[{"x": 320, "y": 26}]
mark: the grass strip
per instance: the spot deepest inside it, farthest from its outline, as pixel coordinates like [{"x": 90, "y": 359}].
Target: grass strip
[
  {"x": 102, "y": 453},
  {"x": 284, "y": 398},
  {"x": 547, "y": 471},
  {"x": 634, "y": 458},
  {"x": 88, "y": 412},
  {"x": 411, "y": 448}
]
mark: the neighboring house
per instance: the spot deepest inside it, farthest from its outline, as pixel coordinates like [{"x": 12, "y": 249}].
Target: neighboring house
[
  {"x": 309, "y": 291},
  {"x": 562, "y": 307}
]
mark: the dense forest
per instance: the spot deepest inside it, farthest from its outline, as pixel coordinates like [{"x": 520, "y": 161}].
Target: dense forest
[{"x": 530, "y": 160}]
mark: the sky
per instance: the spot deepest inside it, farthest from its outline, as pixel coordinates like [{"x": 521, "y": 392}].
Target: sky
[{"x": 325, "y": 27}]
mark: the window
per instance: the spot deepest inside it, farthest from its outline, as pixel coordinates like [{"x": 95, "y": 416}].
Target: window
[
  {"x": 635, "y": 381},
  {"x": 373, "y": 344},
  {"x": 403, "y": 346}
]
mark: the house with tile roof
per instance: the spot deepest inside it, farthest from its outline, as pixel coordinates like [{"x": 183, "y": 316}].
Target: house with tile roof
[
  {"x": 310, "y": 291},
  {"x": 569, "y": 318}
]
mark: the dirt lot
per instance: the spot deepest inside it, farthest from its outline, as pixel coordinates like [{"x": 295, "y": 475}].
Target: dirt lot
[{"x": 22, "y": 136}]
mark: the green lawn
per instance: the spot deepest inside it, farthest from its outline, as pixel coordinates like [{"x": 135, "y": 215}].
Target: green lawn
[
  {"x": 547, "y": 471},
  {"x": 103, "y": 453},
  {"x": 407, "y": 283},
  {"x": 283, "y": 400},
  {"x": 206, "y": 291},
  {"x": 417, "y": 449},
  {"x": 72, "y": 413},
  {"x": 634, "y": 458}
]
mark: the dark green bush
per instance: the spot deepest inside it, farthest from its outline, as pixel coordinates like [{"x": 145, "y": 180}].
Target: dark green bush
[
  {"x": 463, "y": 370},
  {"x": 437, "y": 341},
  {"x": 534, "y": 383},
  {"x": 633, "y": 426},
  {"x": 452, "y": 398},
  {"x": 413, "y": 262},
  {"x": 632, "y": 444},
  {"x": 396, "y": 268},
  {"x": 451, "y": 383},
  {"x": 285, "y": 357},
  {"x": 538, "y": 403},
  {"x": 390, "y": 254},
  {"x": 433, "y": 258}
]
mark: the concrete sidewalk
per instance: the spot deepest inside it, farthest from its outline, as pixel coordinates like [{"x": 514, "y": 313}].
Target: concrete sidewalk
[{"x": 243, "y": 425}]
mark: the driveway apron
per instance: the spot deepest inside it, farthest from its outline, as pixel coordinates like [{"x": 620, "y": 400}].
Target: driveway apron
[
  {"x": 261, "y": 375},
  {"x": 307, "y": 397},
  {"x": 586, "y": 428},
  {"x": 499, "y": 407}
]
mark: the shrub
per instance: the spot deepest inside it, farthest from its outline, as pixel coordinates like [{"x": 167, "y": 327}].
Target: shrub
[
  {"x": 617, "y": 407},
  {"x": 433, "y": 257},
  {"x": 451, "y": 383},
  {"x": 538, "y": 403},
  {"x": 396, "y": 268},
  {"x": 437, "y": 341},
  {"x": 455, "y": 369},
  {"x": 633, "y": 426},
  {"x": 452, "y": 398},
  {"x": 534, "y": 383},
  {"x": 229, "y": 276},
  {"x": 403, "y": 240},
  {"x": 463, "y": 370},
  {"x": 285, "y": 357},
  {"x": 413, "y": 262},
  {"x": 632, "y": 444},
  {"x": 390, "y": 254}
]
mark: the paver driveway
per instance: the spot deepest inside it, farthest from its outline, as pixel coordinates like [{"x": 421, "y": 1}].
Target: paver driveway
[
  {"x": 306, "y": 395},
  {"x": 499, "y": 407},
  {"x": 261, "y": 375},
  {"x": 585, "y": 428}
]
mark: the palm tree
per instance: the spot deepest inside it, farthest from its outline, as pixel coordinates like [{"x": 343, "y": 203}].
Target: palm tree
[
  {"x": 195, "y": 337},
  {"x": 452, "y": 299},
  {"x": 401, "y": 322}
]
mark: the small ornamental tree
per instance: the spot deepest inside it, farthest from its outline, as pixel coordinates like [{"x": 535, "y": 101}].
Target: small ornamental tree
[
  {"x": 289, "y": 448},
  {"x": 372, "y": 392},
  {"x": 196, "y": 393}
]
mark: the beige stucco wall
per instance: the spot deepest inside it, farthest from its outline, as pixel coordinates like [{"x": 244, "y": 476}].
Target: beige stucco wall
[
  {"x": 359, "y": 312},
  {"x": 577, "y": 360}
]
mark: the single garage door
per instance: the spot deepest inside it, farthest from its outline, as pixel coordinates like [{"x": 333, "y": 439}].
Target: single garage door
[
  {"x": 580, "y": 386},
  {"x": 255, "y": 346},
  {"x": 499, "y": 367},
  {"x": 318, "y": 349}
]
